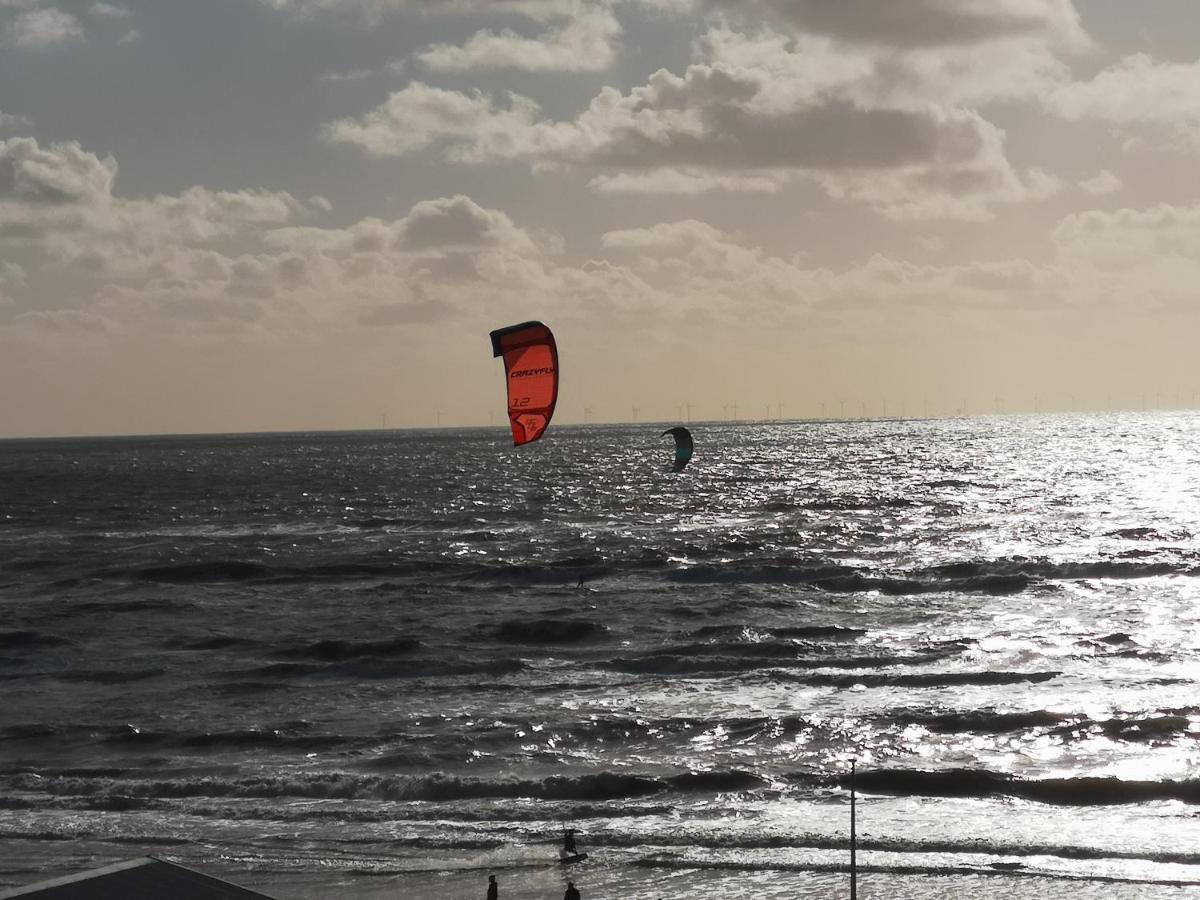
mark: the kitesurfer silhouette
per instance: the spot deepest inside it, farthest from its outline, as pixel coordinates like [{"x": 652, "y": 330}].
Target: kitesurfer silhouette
[
  {"x": 493, "y": 889},
  {"x": 572, "y": 893},
  {"x": 569, "y": 843}
]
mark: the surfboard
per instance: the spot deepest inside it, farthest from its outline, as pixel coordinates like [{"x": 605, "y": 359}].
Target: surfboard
[{"x": 578, "y": 857}]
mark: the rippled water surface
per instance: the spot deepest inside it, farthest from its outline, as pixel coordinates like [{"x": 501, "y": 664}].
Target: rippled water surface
[{"x": 356, "y": 664}]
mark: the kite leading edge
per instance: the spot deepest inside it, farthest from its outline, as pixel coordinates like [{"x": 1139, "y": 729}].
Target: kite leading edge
[{"x": 531, "y": 371}]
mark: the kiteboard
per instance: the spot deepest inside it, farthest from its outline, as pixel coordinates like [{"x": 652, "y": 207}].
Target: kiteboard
[{"x": 567, "y": 860}]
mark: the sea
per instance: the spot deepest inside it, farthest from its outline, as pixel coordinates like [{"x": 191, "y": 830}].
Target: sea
[{"x": 392, "y": 663}]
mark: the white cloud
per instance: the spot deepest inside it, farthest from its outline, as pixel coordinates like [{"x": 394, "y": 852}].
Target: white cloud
[
  {"x": 1137, "y": 90},
  {"x": 130, "y": 37},
  {"x": 11, "y": 276},
  {"x": 352, "y": 75},
  {"x": 664, "y": 236},
  {"x": 686, "y": 182},
  {"x": 64, "y": 322},
  {"x": 374, "y": 10},
  {"x": 420, "y": 116},
  {"x": 921, "y": 23},
  {"x": 237, "y": 259},
  {"x": 108, "y": 10},
  {"x": 11, "y": 121},
  {"x": 1131, "y": 236},
  {"x": 818, "y": 65},
  {"x": 1146, "y": 259},
  {"x": 880, "y": 112},
  {"x": 1104, "y": 182},
  {"x": 584, "y": 43},
  {"x": 61, "y": 173},
  {"x": 40, "y": 29},
  {"x": 719, "y": 127}
]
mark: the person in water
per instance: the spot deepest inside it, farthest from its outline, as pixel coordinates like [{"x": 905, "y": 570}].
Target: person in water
[
  {"x": 572, "y": 893},
  {"x": 569, "y": 843},
  {"x": 493, "y": 889}
]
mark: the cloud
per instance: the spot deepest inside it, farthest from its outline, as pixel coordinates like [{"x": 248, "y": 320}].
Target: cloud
[
  {"x": 1128, "y": 236},
  {"x": 719, "y": 127},
  {"x": 420, "y": 116},
  {"x": 881, "y": 109},
  {"x": 108, "y": 11},
  {"x": 686, "y": 182},
  {"x": 583, "y": 44},
  {"x": 817, "y": 65},
  {"x": 1145, "y": 259},
  {"x": 458, "y": 222},
  {"x": 238, "y": 260},
  {"x": 62, "y": 173},
  {"x": 664, "y": 236},
  {"x": 11, "y": 276},
  {"x": 1104, "y": 182},
  {"x": 921, "y": 23},
  {"x": 9, "y": 120},
  {"x": 63, "y": 321},
  {"x": 1137, "y": 90},
  {"x": 352, "y": 75},
  {"x": 40, "y": 29},
  {"x": 374, "y": 10},
  {"x": 58, "y": 212}
]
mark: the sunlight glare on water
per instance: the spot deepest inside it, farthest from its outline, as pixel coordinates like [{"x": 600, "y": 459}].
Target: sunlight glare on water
[{"x": 417, "y": 655}]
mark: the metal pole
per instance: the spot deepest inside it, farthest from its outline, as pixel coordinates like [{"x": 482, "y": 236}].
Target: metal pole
[{"x": 853, "y": 841}]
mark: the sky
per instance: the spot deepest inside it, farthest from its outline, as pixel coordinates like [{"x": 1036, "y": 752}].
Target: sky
[{"x": 256, "y": 215}]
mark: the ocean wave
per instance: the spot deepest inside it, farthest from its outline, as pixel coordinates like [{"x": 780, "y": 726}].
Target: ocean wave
[
  {"x": 437, "y": 787},
  {"x": 1079, "y": 791},
  {"x": 367, "y": 667},
  {"x": 998, "y": 584},
  {"x": 333, "y": 650},
  {"x": 197, "y": 572},
  {"x": 798, "y": 632},
  {"x": 729, "y": 658},
  {"x": 845, "y": 580},
  {"x": 550, "y": 631},
  {"x": 1053, "y": 570},
  {"x": 915, "y": 679},
  {"x": 235, "y": 739},
  {"x": 933, "y": 871},
  {"x": 984, "y": 721},
  {"x": 943, "y": 483},
  {"x": 853, "y": 503},
  {"x": 30, "y": 640},
  {"x": 225, "y": 570},
  {"x": 1163, "y": 725},
  {"x": 749, "y": 566},
  {"x": 108, "y": 676},
  {"x": 212, "y": 642},
  {"x": 1146, "y": 533},
  {"x": 1159, "y": 727},
  {"x": 110, "y": 607},
  {"x": 618, "y": 729},
  {"x": 751, "y": 840}
]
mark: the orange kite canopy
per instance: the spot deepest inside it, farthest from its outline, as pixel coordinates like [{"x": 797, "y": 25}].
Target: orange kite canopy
[{"x": 531, "y": 369}]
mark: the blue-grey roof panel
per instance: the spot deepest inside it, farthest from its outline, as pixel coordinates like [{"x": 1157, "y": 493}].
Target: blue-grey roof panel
[{"x": 138, "y": 879}]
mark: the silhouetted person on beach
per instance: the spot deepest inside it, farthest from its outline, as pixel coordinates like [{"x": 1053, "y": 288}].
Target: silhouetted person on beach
[
  {"x": 572, "y": 893},
  {"x": 569, "y": 843},
  {"x": 493, "y": 889}
]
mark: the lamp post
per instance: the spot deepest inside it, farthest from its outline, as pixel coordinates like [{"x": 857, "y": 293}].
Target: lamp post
[{"x": 853, "y": 841}]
